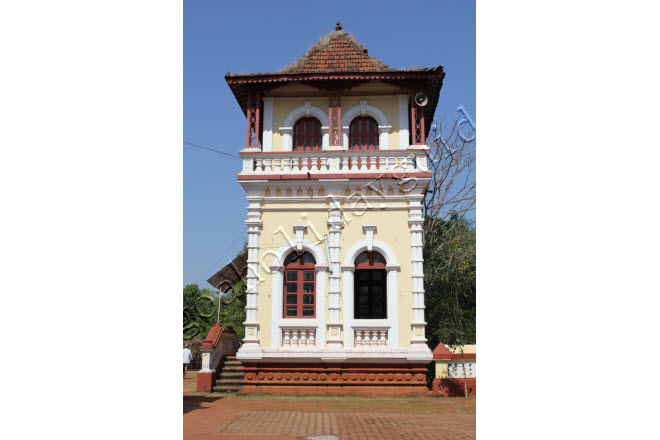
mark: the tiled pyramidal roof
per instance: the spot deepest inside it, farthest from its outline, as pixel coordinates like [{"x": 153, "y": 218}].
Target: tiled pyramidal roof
[{"x": 336, "y": 52}]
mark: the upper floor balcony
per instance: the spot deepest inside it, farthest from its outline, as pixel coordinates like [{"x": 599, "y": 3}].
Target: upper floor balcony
[{"x": 315, "y": 164}]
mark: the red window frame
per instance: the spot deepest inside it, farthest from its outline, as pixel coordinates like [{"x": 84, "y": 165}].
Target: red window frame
[
  {"x": 307, "y": 135},
  {"x": 295, "y": 270},
  {"x": 370, "y": 264},
  {"x": 363, "y": 134}
]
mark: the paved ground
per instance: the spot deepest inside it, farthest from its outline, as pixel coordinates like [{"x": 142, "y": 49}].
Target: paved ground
[{"x": 227, "y": 417}]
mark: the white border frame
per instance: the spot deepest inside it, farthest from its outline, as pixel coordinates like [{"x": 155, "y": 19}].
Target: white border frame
[
  {"x": 364, "y": 109},
  {"x": 301, "y": 112},
  {"x": 348, "y": 269},
  {"x": 277, "y": 270}
]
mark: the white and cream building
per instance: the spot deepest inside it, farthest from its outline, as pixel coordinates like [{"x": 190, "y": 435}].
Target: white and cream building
[{"x": 335, "y": 170}]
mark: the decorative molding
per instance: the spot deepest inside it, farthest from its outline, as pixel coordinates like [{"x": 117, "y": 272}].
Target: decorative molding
[
  {"x": 363, "y": 245},
  {"x": 324, "y": 375},
  {"x": 305, "y": 111},
  {"x": 369, "y": 229},
  {"x": 364, "y": 109},
  {"x": 299, "y": 230},
  {"x": 287, "y": 248}
]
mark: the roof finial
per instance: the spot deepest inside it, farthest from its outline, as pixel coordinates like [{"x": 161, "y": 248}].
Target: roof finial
[{"x": 338, "y": 27}]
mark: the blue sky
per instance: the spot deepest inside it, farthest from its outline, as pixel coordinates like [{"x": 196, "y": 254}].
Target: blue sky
[{"x": 265, "y": 36}]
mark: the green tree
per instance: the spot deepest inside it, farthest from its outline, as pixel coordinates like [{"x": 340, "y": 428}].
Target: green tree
[
  {"x": 232, "y": 308},
  {"x": 450, "y": 284},
  {"x": 449, "y": 235},
  {"x": 199, "y": 307}
]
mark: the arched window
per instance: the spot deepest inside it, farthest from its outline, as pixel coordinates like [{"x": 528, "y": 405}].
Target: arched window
[
  {"x": 370, "y": 286},
  {"x": 300, "y": 286},
  {"x": 363, "y": 134},
  {"x": 307, "y": 135}
]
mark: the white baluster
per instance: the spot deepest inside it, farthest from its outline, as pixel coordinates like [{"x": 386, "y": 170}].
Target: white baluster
[
  {"x": 259, "y": 164},
  {"x": 287, "y": 338},
  {"x": 373, "y": 160},
  {"x": 294, "y": 338},
  {"x": 312, "y": 338},
  {"x": 286, "y": 164},
  {"x": 267, "y": 164},
  {"x": 304, "y": 167},
  {"x": 358, "y": 338},
  {"x": 303, "y": 337},
  {"x": 363, "y": 163},
  {"x": 401, "y": 165},
  {"x": 324, "y": 163},
  {"x": 383, "y": 337},
  {"x": 366, "y": 339},
  {"x": 344, "y": 163}
]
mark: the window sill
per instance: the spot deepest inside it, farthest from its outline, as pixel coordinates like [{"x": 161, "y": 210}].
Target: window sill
[
  {"x": 370, "y": 323},
  {"x": 298, "y": 322}
]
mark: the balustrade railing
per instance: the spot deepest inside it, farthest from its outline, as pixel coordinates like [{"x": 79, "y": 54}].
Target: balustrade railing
[
  {"x": 298, "y": 337},
  {"x": 329, "y": 161},
  {"x": 370, "y": 337}
]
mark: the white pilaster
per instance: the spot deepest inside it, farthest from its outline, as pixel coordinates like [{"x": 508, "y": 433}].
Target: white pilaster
[
  {"x": 416, "y": 222},
  {"x": 267, "y": 143},
  {"x": 335, "y": 223},
  {"x": 251, "y": 340},
  {"x": 287, "y": 139},
  {"x": 383, "y": 137},
  {"x": 404, "y": 141}
]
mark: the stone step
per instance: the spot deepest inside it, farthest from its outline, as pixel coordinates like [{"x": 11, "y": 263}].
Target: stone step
[
  {"x": 238, "y": 381},
  {"x": 231, "y": 374},
  {"x": 231, "y": 357},
  {"x": 225, "y": 388},
  {"x": 232, "y": 368},
  {"x": 230, "y": 362}
]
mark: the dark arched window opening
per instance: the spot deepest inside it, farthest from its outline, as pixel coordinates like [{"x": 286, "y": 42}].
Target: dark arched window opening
[
  {"x": 370, "y": 286},
  {"x": 307, "y": 135},
  {"x": 363, "y": 134},
  {"x": 300, "y": 286}
]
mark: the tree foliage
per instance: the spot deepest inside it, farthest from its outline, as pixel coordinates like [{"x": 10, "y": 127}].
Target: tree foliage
[
  {"x": 199, "y": 306},
  {"x": 450, "y": 284},
  {"x": 232, "y": 308},
  {"x": 450, "y": 236},
  {"x": 200, "y": 309}
]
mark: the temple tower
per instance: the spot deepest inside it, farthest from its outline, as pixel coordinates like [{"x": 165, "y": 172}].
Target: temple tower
[{"x": 335, "y": 171}]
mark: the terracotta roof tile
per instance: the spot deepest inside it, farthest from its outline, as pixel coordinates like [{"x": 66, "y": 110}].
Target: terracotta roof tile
[{"x": 336, "y": 52}]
